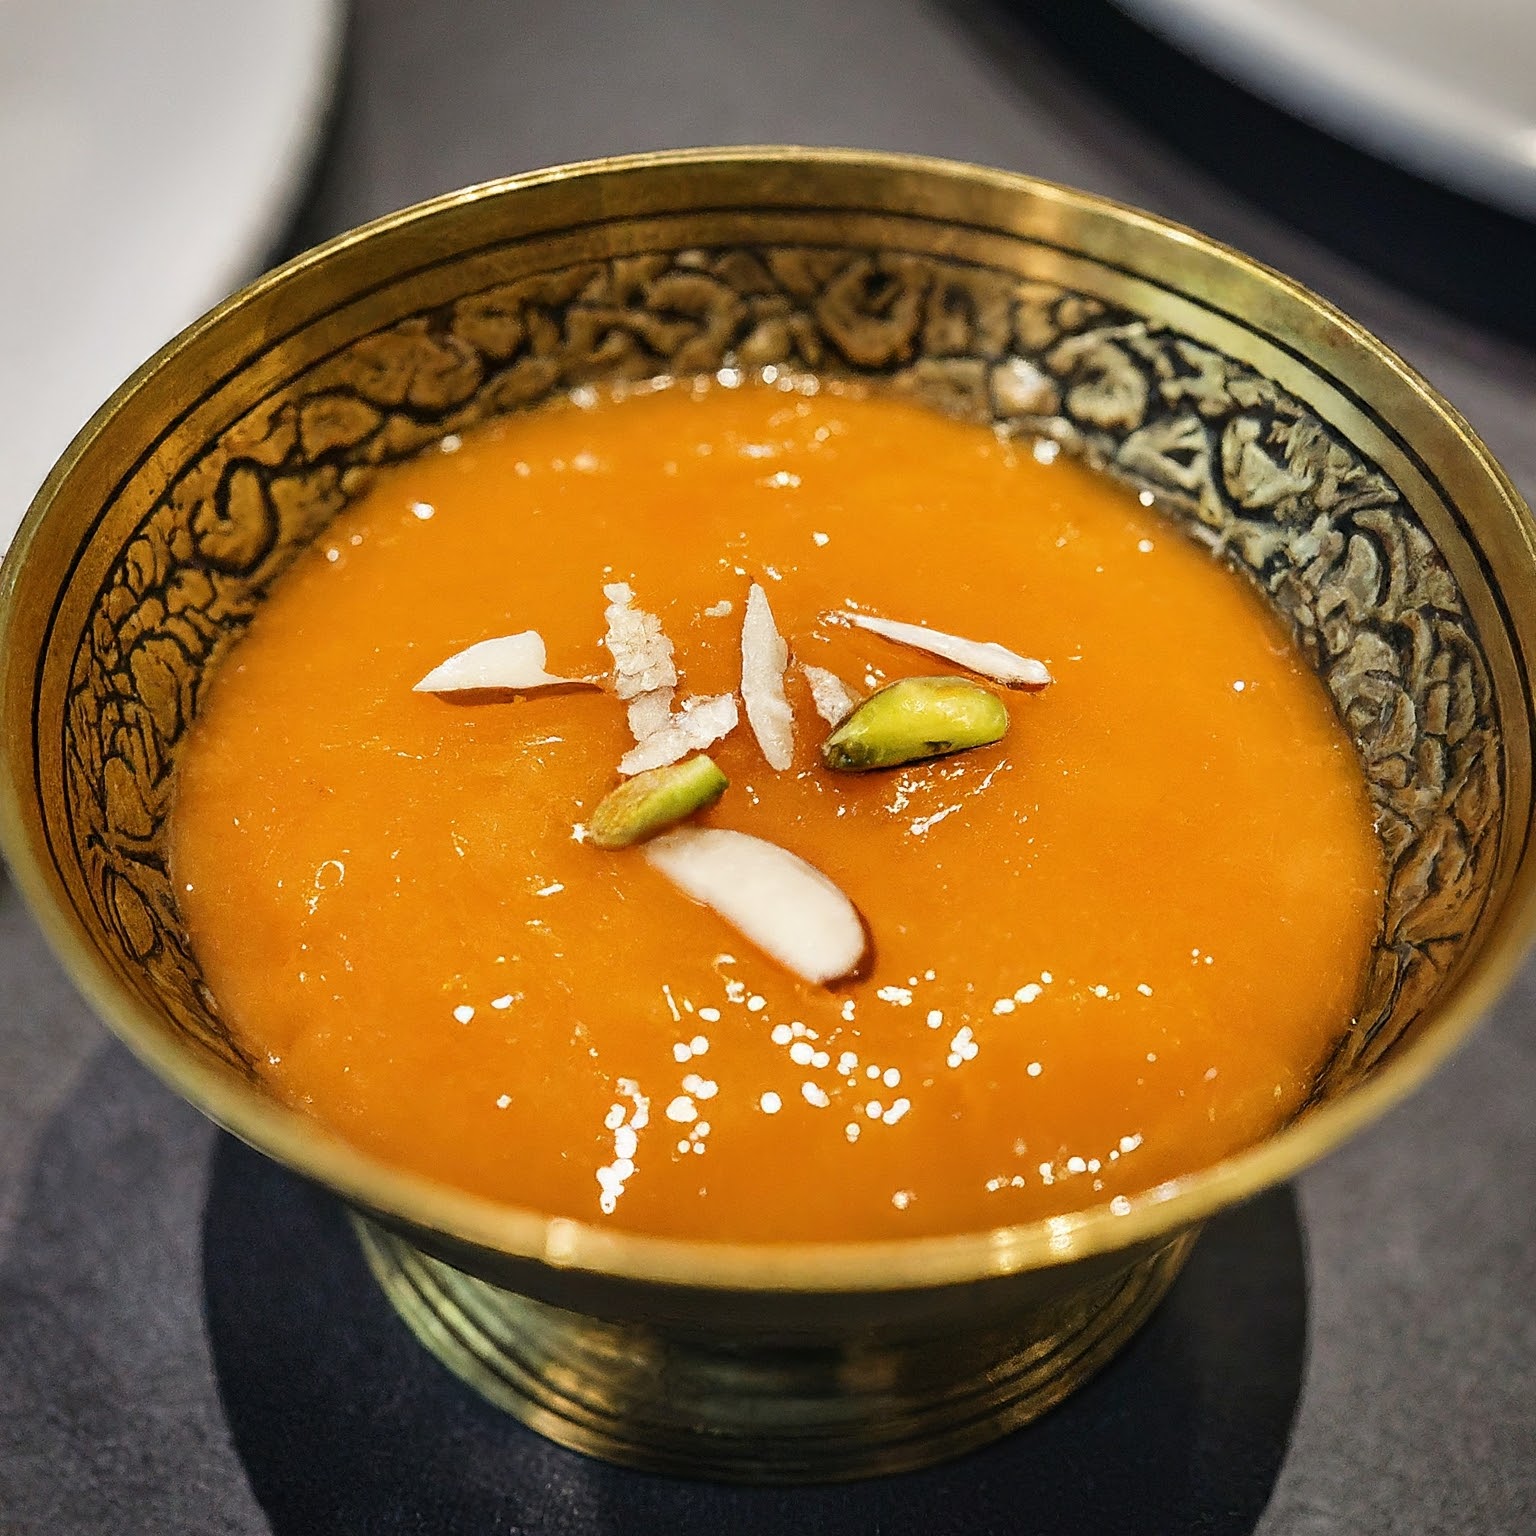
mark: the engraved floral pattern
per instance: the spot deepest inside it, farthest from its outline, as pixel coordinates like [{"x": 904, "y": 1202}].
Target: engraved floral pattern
[{"x": 1248, "y": 469}]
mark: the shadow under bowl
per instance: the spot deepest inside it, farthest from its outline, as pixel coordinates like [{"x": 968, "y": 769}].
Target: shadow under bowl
[{"x": 1306, "y": 454}]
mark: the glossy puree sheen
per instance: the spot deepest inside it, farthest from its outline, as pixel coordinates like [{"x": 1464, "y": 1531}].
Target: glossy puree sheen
[{"x": 1109, "y": 950}]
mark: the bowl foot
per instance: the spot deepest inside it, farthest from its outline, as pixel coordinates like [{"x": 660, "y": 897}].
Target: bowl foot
[{"x": 665, "y": 1398}]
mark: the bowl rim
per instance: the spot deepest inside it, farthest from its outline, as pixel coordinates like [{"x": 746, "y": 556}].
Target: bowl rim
[{"x": 522, "y": 1234}]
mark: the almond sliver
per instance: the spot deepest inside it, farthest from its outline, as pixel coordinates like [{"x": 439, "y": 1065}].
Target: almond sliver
[
  {"x": 832, "y": 697},
  {"x": 764, "y": 656},
  {"x": 986, "y": 657},
  {"x": 786, "y": 907},
  {"x": 508, "y": 663},
  {"x": 700, "y": 723}
]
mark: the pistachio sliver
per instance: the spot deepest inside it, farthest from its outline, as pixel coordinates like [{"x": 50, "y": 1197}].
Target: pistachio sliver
[
  {"x": 653, "y": 800},
  {"x": 916, "y": 718}
]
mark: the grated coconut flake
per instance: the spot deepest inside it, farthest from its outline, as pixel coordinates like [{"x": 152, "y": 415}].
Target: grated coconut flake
[
  {"x": 700, "y": 722},
  {"x": 642, "y": 654},
  {"x": 650, "y": 713}
]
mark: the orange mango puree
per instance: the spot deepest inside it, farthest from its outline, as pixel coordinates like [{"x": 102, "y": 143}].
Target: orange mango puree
[{"x": 1110, "y": 949}]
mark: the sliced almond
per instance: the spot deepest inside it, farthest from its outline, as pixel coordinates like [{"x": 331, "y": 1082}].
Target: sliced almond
[
  {"x": 508, "y": 663},
  {"x": 642, "y": 654},
  {"x": 984, "y": 656},
  {"x": 832, "y": 697},
  {"x": 786, "y": 907},
  {"x": 764, "y": 656},
  {"x": 700, "y": 723}
]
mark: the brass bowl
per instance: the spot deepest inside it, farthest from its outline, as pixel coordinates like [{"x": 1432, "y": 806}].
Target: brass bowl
[{"x": 1273, "y": 427}]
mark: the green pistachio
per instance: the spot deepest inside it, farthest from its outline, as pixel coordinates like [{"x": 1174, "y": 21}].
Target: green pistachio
[
  {"x": 915, "y": 718},
  {"x": 645, "y": 804}
]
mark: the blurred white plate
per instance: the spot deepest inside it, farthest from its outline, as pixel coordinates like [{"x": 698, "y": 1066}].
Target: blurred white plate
[
  {"x": 1444, "y": 88},
  {"x": 150, "y": 151}
]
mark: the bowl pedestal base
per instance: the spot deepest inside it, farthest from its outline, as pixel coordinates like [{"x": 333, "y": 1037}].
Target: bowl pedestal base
[{"x": 673, "y": 1398}]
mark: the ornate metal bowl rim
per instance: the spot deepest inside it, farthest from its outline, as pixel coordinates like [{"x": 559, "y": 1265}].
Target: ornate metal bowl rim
[{"x": 372, "y": 1183}]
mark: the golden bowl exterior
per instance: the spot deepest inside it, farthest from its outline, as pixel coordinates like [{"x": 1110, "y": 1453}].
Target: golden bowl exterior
[{"x": 1277, "y": 431}]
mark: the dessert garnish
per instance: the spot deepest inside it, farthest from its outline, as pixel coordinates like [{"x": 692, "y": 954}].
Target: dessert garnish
[
  {"x": 653, "y": 800},
  {"x": 786, "y": 907},
  {"x": 986, "y": 657},
  {"x": 643, "y": 673},
  {"x": 506, "y": 664},
  {"x": 832, "y": 697},
  {"x": 764, "y": 656},
  {"x": 701, "y": 722},
  {"x": 915, "y": 718}
]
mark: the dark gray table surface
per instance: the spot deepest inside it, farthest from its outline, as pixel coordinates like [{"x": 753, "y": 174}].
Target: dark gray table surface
[{"x": 134, "y": 1266}]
